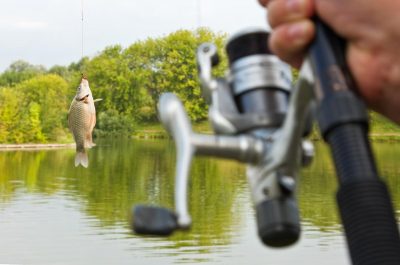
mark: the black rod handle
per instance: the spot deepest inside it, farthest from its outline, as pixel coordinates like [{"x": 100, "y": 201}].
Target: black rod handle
[
  {"x": 335, "y": 88},
  {"x": 371, "y": 230},
  {"x": 364, "y": 202}
]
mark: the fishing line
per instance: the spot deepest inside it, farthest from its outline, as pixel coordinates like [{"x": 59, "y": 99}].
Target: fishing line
[
  {"x": 198, "y": 5},
  {"x": 82, "y": 38},
  {"x": 82, "y": 29}
]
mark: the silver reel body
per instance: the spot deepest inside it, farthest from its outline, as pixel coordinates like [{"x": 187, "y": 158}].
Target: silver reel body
[{"x": 258, "y": 118}]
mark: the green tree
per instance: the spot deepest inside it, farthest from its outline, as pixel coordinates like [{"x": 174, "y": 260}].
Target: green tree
[
  {"x": 20, "y": 71},
  {"x": 50, "y": 93},
  {"x": 129, "y": 81},
  {"x": 32, "y": 128},
  {"x": 109, "y": 78},
  {"x": 169, "y": 64},
  {"x": 10, "y": 110}
]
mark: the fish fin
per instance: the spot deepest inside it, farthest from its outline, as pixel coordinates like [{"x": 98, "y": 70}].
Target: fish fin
[
  {"x": 90, "y": 145},
  {"x": 81, "y": 158},
  {"x": 89, "y": 141}
]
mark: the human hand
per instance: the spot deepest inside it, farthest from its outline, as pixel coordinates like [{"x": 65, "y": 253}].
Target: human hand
[{"x": 373, "y": 37}]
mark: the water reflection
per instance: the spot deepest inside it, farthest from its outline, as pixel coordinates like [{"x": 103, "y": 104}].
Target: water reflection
[
  {"x": 43, "y": 187},
  {"x": 318, "y": 185}
]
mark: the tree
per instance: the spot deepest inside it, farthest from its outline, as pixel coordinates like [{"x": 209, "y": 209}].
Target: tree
[
  {"x": 20, "y": 71},
  {"x": 168, "y": 64},
  {"x": 10, "y": 102},
  {"x": 32, "y": 128},
  {"x": 50, "y": 93},
  {"x": 129, "y": 81}
]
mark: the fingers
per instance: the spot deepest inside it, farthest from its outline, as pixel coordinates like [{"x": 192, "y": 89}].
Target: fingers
[
  {"x": 284, "y": 11},
  {"x": 292, "y": 28},
  {"x": 263, "y": 2},
  {"x": 290, "y": 40}
]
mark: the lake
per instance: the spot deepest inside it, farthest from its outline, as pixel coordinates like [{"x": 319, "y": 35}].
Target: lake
[{"x": 54, "y": 213}]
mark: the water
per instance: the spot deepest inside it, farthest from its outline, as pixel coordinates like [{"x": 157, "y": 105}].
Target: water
[{"x": 54, "y": 213}]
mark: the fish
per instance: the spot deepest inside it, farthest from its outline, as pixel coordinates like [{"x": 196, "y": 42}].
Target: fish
[{"x": 81, "y": 121}]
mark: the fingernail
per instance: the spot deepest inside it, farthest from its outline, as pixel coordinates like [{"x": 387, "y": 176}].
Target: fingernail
[{"x": 294, "y": 5}]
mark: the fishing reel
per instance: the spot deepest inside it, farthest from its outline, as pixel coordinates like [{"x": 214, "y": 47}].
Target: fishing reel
[{"x": 259, "y": 119}]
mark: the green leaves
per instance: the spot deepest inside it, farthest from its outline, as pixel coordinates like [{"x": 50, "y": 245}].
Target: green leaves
[
  {"x": 169, "y": 65},
  {"x": 20, "y": 71},
  {"x": 112, "y": 123},
  {"x": 33, "y": 110},
  {"x": 129, "y": 80}
]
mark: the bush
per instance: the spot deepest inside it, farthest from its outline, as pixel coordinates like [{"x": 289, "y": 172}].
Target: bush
[{"x": 112, "y": 123}]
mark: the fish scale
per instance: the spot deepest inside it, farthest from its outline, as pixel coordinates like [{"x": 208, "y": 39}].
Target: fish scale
[
  {"x": 79, "y": 125},
  {"x": 81, "y": 120}
]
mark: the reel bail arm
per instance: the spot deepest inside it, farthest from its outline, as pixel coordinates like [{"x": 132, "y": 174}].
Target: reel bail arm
[{"x": 255, "y": 123}]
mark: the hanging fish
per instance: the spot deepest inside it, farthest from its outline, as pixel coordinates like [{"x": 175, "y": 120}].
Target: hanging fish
[{"x": 81, "y": 121}]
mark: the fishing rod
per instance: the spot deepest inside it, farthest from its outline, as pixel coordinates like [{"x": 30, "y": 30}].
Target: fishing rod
[
  {"x": 364, "y": 202},
  {"x": 261, "y": 119}
]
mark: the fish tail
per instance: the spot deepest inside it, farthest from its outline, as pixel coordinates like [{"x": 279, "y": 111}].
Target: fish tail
[{"x": 81, "y": 158}]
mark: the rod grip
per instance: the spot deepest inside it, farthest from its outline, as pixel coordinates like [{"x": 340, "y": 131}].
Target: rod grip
[
  {"x": 364, "y": 202},
  {"x": 369, "y": 223}
]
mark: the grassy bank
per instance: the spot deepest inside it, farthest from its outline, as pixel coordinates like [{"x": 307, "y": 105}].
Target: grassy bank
[
  {"x": 381, "y": 130},
  {"x": 157, "y": 131}
]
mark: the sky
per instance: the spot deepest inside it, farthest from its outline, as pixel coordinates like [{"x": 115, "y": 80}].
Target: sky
[{"x": 49, "y": 32}]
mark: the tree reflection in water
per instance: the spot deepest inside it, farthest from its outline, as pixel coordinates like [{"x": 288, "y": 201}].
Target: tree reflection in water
[{"x": 126, "y": 172}]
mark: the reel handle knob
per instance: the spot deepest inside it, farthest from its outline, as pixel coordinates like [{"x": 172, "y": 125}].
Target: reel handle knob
[{"x": 151, "y": 220}]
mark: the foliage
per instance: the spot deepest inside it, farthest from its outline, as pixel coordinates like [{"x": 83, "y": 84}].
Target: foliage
[
  {"x": 169, "y": 64},
  {"x": 10, "y": 101},
  {"x": 34, "y": 101},
  {"x": 381, "y": 124},
  {"x": 50, "y": 92},
  {"x": 20, "y": 71},
  {"x": 34, "y": 110},
  {"x": 112, "y": 123}
]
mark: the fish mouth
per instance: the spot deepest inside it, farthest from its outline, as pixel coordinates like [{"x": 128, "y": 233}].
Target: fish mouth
[{"x": 83, "y": 98}]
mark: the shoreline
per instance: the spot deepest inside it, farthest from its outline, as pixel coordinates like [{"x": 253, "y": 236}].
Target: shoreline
[
  {"x": 31, "y": 146},
  {"x": 143, "y": 135}
]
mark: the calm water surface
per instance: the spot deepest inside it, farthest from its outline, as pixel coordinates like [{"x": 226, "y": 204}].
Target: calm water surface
[{"x": 54, "y": 213}]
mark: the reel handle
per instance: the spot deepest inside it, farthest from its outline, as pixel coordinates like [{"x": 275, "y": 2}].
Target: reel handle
[{"x": 151, "y": 220}]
